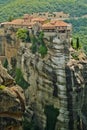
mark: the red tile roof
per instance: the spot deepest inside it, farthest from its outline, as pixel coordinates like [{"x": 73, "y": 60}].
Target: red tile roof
[
  {"x": 54, "y": 24},
  {"x": 30, "y": 22},
  {"x": 17, "y": 21},
  {"x": 20, "y": 22},
  {"x": 61, "y": 24},
  {"x": 48, "y": 26}
]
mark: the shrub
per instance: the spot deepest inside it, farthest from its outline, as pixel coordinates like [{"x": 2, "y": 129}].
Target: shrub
[
  {"x": 5, "y": 64},
  {"x": 42, "y": 50},
  {"x": 75, "y": 56},
  {"x": 10, "y": 18},
  {"x": 2, "y": 87},
  {"x": 41, "y": 35},
  {"x": 38, "y": 44},
  {"x": 34, "y": 48},
  {"x": 23, "y": 34},
  {"x": 20, "y": 79},
  {"x": 77, "y": 43}
]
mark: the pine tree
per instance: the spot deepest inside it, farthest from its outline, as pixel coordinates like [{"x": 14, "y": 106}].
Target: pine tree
[
  {"x": 5, "y": 64},
  {"x": 77, "y": 43},
  {"x": 72, "y": 43}
]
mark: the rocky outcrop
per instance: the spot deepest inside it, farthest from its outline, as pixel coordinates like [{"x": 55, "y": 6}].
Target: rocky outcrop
[
  {"x": 12, "y": 102},
  {"x": 9, "y": 43},
  {"x": 56, "y": 81},
  {"x": 76, "y": 75}
]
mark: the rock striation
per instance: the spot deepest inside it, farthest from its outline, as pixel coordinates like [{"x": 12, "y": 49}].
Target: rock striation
[
  {"x": 12, "y": 102},
  {"x": 57, "y": 80}
]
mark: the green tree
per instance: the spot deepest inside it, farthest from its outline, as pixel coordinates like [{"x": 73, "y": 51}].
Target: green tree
[
  {"x": 20, "y": 79},
  {"x": 5, "y": 64},
  {"x": 77, "y": 43},
  {"x": 42, "y": 50},
  {"x": 40, "y": 37},
  {"x": 34, "y": 48},
  {"x": 10, "y": 18},
  {"x": 38, "y": 44},
  {"x": 23, "y": 34},
  {"x": 34, "y": 44}
]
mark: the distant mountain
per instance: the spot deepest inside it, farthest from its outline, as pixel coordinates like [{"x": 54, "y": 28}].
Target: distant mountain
[{"x": 17, "y": 8}]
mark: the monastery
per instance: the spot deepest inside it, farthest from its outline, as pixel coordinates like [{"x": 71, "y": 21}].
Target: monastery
[
  {"x": 36, "y": 24},
  {"x": 51, "y": 28}
]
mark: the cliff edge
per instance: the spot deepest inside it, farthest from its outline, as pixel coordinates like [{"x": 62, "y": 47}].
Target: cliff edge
[
  {"x": 12, "y": 102},
  {"x": 58, "y": 86}
]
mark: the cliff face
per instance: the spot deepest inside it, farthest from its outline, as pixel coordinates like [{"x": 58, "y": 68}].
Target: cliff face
[
  {"x": 76, "y": 74},
  {"x": 57, "y": 84},
  {"x": 9, "y": 43},
  {"x": 12, "y": 102}
]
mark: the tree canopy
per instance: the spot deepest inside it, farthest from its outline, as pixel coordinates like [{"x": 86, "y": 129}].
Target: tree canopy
[
  {"x": 23, "y": 34},
  {"x": 17, "y": 8}
]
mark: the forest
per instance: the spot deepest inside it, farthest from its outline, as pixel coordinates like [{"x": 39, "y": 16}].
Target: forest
[
  {"x": 76, "y": 9},
  {"x": 80, "y": 31},
  {"x": 17, "y": 8}
]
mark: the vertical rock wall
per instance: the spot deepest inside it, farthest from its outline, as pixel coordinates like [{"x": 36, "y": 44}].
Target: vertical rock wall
[
  {"x": 12, "y": 102},
  {"x": 56, "y": 80}
]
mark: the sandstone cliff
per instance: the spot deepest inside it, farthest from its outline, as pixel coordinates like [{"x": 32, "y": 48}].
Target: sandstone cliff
[
  {"x": 12, "y": 102},
  {"x": 57, "y": 82}
]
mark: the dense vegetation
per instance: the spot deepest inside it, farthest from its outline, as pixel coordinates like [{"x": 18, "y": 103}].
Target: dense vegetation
[
  {"x": 38, "y": 44},
  {"x": 11, "y": 9},
  {"x": 17, "y": 8},
  {"x": 20, "y": 79},
  {"x": 23, "y": 34},
  {"x": 80, "y": 31},
  {"x": 16, "y": 73}
]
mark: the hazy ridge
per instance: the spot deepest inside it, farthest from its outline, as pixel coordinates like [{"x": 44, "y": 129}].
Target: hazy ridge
[{"x": 17, "y": 8}]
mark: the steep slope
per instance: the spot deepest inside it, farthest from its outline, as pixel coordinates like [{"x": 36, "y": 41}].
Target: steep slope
[
  {"x": 19, "y": 7},
  {"x": 12, "y": 102},
  {"x": 57, "y": 85}
]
